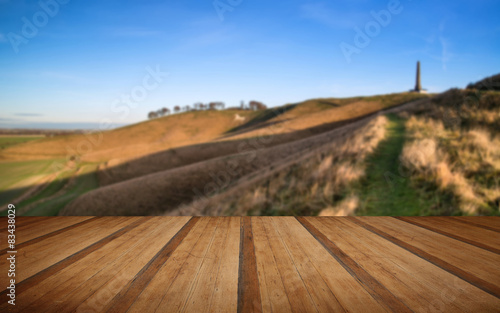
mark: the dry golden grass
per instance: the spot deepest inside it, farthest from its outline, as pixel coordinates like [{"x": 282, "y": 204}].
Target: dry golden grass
[
  {"x": 452, "y": 146},
  {"x": 169, "y": 181},
  {"x": 305, "y": 186},
  {"x": 132, "y": 141},
  {"x": 345, "y": 207}
]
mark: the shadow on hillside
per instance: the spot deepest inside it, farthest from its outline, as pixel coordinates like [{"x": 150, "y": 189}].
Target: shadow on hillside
[
  {"x": 329, "y": 103},
  {"x": 52, "y": 199},
  {"x": 183, "y": 156},
  {"x": 47, "y": 199},
  {"x": 169, "y": 159},
  {"x": 252, "y": 128}
]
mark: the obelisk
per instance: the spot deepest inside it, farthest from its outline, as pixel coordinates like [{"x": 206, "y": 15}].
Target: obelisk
[{"x": 418, "y": 86}]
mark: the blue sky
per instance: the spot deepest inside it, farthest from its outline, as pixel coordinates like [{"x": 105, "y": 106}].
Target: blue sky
[{"x": 85, "y": 56}]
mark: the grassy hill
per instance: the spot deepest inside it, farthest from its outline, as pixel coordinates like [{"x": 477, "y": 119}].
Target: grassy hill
[{"x": 317, "y": 157}]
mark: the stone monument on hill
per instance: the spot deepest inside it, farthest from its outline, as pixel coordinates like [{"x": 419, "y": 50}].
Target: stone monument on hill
[{"x": 418, "y": 85}]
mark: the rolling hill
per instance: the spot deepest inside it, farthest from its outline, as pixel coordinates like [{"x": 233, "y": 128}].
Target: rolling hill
[{"x": 211, "y": 163}]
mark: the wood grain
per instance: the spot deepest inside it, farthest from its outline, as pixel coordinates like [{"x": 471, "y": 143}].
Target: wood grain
[
  {"x": 475, "y": 236},
  {"x": 438, "y": 249},
  {"x": 255, "y": 264},
  {"x": 248, "y": 282}
]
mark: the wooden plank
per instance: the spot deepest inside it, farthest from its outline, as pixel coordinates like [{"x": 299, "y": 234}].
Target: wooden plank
[
  {"x": 489, "y": 222},
  {"x": 349, "y": 291},
  {"x": 296, "y": 290},
  {"x": 226, "y": 282},
  {"x": 46, "y": 231},
  {"x": 129, "y": 293},
  {"x": 43, "y": 254},
  {"x": 209, "y": 264},
  {"x": 52, "y": 292},
  {"x": 37, "y": 257},
  {"x": 248, "y": 284},
  {"x": 43, "y": 227},
  {"x": 379, "y": 292},
  {"x": 125, "y": 269},
  {"x": 178, "y": 294},
  {"x": 476, "y": 236},
  {"x": 24, "y": 221},
  {"x": 293, "y": 237},
  {"x": 104, "y": 278},
  {"x": 421, "y": 285},
  {"x": 201, "y": 294},
  {"x": 454, "y": 256},
  {"x": 177, "y": 271},
  {"x": 272, "y": 289},
  {"x": 52, "y": 270}
]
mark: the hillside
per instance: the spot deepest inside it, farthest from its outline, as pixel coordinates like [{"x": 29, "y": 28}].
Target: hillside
[
  {"x": 163, "y": 191},
  {"x": 131, "y": 141},
  {"x": 317, "y": 157}
]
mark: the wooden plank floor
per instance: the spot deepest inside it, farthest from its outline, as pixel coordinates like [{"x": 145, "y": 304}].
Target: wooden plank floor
[{"x": 254, "y": 264}]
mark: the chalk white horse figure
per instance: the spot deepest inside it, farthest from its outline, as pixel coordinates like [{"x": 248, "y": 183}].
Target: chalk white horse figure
[{"x": 239, "y": 118}]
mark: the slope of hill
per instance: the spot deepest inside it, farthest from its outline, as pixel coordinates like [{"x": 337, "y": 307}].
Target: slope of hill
[
  {"x": 164, "y": 191},
  {"x": 440, "y": 157},
  {"x": 194, "y": 138},
  {"x": 131, "y": 141},
  {"x": 268, "y": 128}
]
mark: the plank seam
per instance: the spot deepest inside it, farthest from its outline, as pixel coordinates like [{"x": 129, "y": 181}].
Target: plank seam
[
  {"x": 193, "y": 284},
  {"x": 447, "y": 234},
  {"x": 23, "y": 221},
  {"x": 378, "y": 291},
  {"x": 51, "y": 234},
  {"x": 300, "y": 275},
  {"x": 56, "y": 267},
  {"x": 470, "y": 278},
  {"x": 219, "y": 266},
  {"x": 123, "y": 300},
  {"x": 249, "y": 299},
  {"x": 458, "y": 219}
]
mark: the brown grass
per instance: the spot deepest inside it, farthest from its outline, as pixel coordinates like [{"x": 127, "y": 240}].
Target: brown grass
[
  {"x": 303, "y": 187},
  {"x": 345, "y": 207},
  {"x": 452, "y": 146}
]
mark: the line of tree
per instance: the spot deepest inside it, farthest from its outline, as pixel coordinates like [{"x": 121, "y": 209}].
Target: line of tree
[
  {"x": 256, "y": 105},
  {"x": 199, "y": 106}
]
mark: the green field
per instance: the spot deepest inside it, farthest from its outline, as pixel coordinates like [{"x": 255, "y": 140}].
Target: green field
[
  {"x": 19, "y": 176},
  {"x": 61, "y": 191},
  {"x": 8, "y": 141}
]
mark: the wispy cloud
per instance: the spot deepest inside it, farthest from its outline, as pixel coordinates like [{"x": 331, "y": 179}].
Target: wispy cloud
[
  {"x": 28, "y": 114},
  {"x": 61, "y": 75},
  {"x": 3, "y": 38},
  {"x": 323, "y": 14},
  {"x": 437, "y": 45},
  {"x": 2, "y": 119},
  {"x": 134, "y": 32},
  {"x": 445, "y": 54}
]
